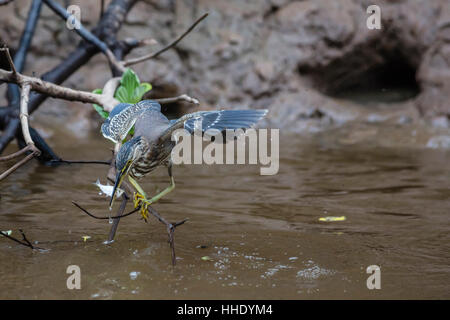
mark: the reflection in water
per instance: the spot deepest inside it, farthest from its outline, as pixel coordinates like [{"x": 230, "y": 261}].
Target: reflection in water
[{"x": 248, "y": 236}]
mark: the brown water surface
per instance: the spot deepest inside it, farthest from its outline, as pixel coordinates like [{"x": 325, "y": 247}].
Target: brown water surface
[{"x": 260, "y": 234}]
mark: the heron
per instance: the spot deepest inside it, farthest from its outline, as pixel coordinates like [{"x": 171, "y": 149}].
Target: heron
[{"x": 152, "y": 143}]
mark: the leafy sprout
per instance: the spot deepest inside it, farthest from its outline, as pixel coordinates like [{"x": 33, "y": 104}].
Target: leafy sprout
[{"x": 131, "y": 90}]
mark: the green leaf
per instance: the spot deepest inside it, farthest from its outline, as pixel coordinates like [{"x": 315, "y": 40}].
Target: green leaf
[
  {"x": 129, "y": 91},
  {"x": 129, "y": 81},
  {"x": 122, "y": 95},
  {"x": 140, "y": 91},
  {"x": 99, "y": 109},
  {"x": 104, "y": 114}
]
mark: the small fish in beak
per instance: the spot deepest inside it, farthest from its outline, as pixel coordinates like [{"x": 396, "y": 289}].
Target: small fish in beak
[{"x": 107, "y": 189}]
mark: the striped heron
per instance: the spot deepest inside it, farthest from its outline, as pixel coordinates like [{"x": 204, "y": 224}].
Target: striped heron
[{"x": 152, "y": 143}]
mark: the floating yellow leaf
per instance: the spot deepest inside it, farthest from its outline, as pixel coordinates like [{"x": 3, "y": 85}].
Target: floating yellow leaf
[
  {"x": 85, "y": 238},
  {"x": 332, "y": 219}
]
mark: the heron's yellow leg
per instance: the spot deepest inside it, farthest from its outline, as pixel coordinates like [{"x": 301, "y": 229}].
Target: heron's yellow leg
[
  {"x": 164, "y": 192},
  {"x": 139, "y": 196}
]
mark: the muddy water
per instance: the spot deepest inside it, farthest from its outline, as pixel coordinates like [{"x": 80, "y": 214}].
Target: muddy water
[{"x": 248, "y": 236}]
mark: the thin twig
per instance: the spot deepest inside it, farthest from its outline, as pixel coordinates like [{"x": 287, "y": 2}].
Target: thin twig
[
  {"x": 15, "y": 154},
  {"x": 10, "y": 60},
  {"x": 183, "y": 97},
  {"x": 105, "y": 218},
  {"x": 26, "y": 243},
  {"x": 16, "y": 166},
  {"x": 25, "y": 239},
  {"x": 5, "y": 2},
  {"x": 55, "y": 161},
  {"x": 130, "y": 62}
]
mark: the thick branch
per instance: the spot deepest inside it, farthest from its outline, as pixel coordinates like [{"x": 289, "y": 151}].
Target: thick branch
[
  {"x": 25, "y": 131},
  {"x": 56, "y": 91},
  {"x": 25, "y": 42},
  {"x": 106, "y": 30},
  {"x": 24, "y": 113},
  {"x": 84, "y": 33}
]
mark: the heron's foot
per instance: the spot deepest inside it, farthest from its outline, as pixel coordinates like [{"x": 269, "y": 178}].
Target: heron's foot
[
  {"x": 137, "y": 199},
  {"x": 141, "y": 200}
]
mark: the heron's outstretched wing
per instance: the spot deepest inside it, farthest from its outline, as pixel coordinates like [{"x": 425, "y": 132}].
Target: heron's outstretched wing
[
  {"x": 218, "y": 120},
  {"x": 122, "y": 118}
]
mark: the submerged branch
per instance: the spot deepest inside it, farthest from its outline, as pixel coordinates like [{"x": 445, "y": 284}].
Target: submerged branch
[
  {"x": 105, "y": 218},
  {"x": 25, "y": 242},
  {"x": 170, "y": 231}
]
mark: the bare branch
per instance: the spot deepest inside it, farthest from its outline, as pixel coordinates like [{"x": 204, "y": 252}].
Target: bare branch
[
  {"x": 25, "y": 94},
  {"x": 108, "y": 92},
  {"x": 130, "y": 62},
  {"x": 105, "y": 218},
  {"x": 15, "y": 154},
  {"x": 16, "y": 166},
  {"x": 25, "y": 131},
  {"x": 170, "y": 230},
  {"x": 26, "y": 243},
  {"x": 142, "y": 42},
  {"x": 24, "y": 238},
  {"x": 10, "y": 60},
  {"x": 55, "y": 161},
  {"x": 57, "y": 91},
  {"x": 183, "y": 97},
  {"x": 85, "y": 34},
  {"x": 5, "y": 2}
]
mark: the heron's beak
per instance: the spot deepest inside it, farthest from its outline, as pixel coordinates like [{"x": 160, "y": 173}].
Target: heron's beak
[{"x": 119, "y": 178}]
